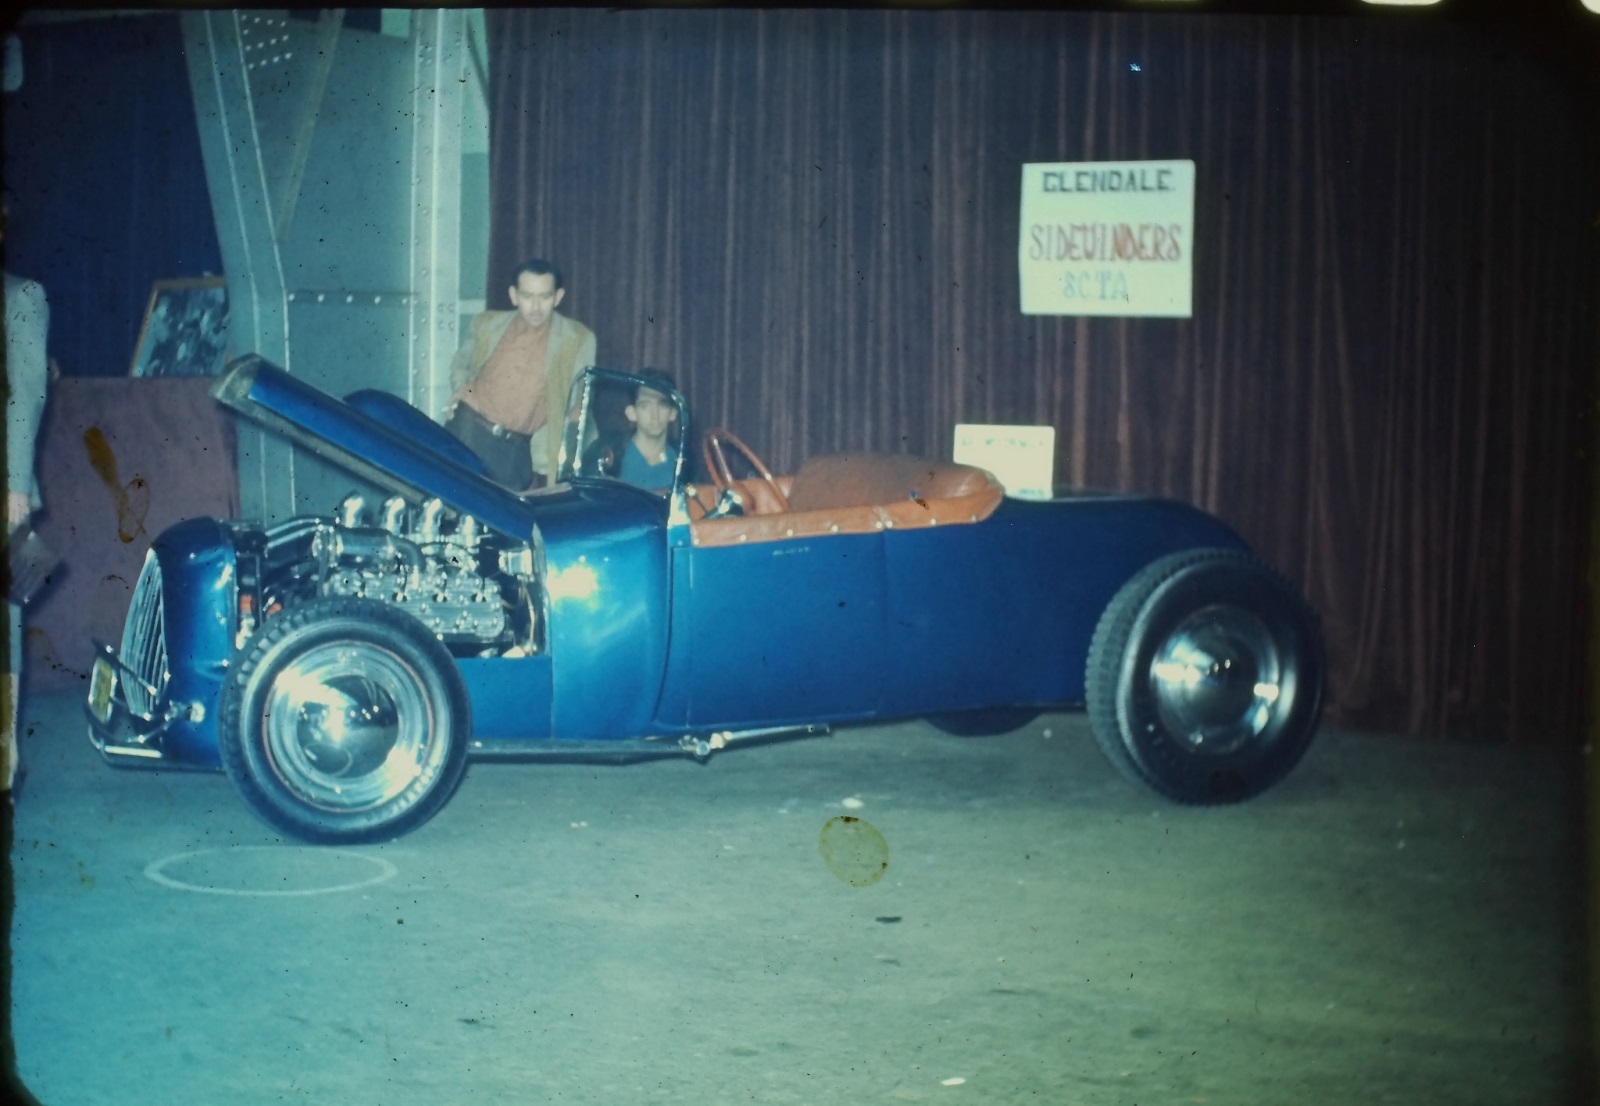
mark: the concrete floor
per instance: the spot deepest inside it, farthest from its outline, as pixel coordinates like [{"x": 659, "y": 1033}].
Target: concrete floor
[{"x": 1399, "y": 922}]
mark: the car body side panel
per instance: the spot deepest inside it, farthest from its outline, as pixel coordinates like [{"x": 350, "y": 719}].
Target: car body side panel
[
  {"x": 605, "y": 578},
  {"x": 779, "y": 632},
  {"x": 1002, "y": 611},
  {"x": 511, "y": 696},
  {"x": 672, "y": 710}
]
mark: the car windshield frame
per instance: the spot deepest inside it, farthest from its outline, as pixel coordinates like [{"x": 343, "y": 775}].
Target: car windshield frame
[{"x": 580, "y": 429}]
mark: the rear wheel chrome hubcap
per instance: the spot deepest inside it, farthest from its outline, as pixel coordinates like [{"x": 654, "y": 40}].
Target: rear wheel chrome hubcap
[{"x": 1217, "y": 680}]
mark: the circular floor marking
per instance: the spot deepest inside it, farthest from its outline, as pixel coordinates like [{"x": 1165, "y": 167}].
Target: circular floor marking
[{"x": 285, "y": 873}]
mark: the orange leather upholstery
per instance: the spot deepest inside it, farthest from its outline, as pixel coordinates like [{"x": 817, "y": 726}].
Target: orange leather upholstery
[
  {"x": 856, "y": 494},
  {"x": 758, "y": 498}
]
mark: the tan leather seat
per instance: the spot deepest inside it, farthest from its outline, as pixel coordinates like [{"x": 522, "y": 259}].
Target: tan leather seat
[{"x": 858, "y": 493}]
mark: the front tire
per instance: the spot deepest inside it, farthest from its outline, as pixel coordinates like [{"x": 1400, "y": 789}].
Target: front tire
[
  {"x": 1205, "y": 677},
  {"x": 344, "y": 720}
]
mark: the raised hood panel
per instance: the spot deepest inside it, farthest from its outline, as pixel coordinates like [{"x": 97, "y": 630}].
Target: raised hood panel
[{"x": 395, "y": 457}]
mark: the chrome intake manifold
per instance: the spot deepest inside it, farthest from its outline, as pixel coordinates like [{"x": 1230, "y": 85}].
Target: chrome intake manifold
[{"x": 414, "y": 560}]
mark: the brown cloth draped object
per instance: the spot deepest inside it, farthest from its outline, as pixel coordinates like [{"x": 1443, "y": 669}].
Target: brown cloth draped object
[{"x": 120, "y": 460}]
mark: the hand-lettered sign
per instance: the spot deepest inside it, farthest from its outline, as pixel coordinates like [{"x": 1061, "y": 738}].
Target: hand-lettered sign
[{"x": 1107, "y": 238}]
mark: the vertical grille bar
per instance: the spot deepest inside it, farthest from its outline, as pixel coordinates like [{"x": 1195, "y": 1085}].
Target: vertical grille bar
[{"x": 144, "y": 639}]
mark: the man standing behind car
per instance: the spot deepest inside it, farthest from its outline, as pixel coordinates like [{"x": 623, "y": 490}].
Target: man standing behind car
[{"x": 509, "y": 380}]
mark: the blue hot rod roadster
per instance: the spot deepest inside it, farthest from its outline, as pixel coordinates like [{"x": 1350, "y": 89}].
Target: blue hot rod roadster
[{"x": 342, "y": 669}]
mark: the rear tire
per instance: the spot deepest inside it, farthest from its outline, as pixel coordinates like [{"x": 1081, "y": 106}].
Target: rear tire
[
  {"x": 1205, "y": 677},
  {"x": 344, "y": 720}
]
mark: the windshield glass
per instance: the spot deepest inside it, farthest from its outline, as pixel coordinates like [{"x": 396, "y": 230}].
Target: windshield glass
[{"x": 625, "y": 426}]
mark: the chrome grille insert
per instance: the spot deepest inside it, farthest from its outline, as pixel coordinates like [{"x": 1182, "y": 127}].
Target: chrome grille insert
[{"x": 144, "y": 639}]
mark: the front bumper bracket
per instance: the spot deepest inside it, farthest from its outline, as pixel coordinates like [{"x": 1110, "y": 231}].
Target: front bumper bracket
[{"x": 119, "y": 734}]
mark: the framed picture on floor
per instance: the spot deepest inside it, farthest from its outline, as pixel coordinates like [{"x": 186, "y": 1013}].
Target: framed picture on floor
[{"x": 185, "y": 331}]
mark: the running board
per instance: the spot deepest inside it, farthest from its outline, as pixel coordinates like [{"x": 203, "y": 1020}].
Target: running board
[{"x": 635, "y": 748}]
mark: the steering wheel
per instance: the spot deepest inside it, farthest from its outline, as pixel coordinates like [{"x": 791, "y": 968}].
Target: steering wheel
[{"x": 717, "y": 464}]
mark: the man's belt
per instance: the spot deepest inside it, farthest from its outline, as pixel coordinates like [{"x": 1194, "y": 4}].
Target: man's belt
[{"x": 492, "y": 427}]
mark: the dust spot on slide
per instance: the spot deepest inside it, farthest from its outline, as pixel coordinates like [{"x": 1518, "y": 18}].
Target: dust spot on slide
[{"x": 854, "y": 850}]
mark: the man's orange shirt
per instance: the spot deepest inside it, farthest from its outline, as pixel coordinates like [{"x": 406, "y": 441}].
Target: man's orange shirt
[{"x": 510, "y": 390}]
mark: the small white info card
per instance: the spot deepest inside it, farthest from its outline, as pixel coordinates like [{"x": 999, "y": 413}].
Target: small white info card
[{"x": 1023, "y": 458}]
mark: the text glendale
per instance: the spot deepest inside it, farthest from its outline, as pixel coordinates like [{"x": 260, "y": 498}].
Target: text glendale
[{"x": 1108, "y": 180}]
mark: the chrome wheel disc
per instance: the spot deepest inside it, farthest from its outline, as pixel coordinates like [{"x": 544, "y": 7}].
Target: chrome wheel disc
[
  {"x": 348, "y": 727},
  {"x": 1217, "y": 680}
]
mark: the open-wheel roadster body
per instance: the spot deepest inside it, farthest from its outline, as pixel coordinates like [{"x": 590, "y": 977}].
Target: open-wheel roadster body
[{"x": 343, "y": 668}]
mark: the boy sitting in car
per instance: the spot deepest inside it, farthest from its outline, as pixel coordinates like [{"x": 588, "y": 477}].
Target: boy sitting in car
[
  {"x": 651, "y": 454},
  {"x": 647, "y": 453}
]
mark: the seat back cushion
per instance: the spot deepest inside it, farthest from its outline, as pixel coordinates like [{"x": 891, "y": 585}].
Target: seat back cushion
[{"x": 865, "y": 480}]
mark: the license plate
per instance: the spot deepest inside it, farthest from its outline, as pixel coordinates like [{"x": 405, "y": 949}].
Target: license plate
[{"x": 102, "y": 683}]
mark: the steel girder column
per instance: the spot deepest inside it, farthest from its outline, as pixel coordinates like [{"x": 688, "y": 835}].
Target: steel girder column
[
  {"x": 442, "y": 67},
  {"x": 334, "y": 156},
  {"x": 215, "y": 50}
]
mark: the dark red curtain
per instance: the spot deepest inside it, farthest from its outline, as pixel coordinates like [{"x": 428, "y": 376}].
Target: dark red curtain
[{"x": 810, "y": 217}]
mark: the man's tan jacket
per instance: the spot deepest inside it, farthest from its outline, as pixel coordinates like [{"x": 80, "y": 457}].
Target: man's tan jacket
[{"x": 571, "y": 349}]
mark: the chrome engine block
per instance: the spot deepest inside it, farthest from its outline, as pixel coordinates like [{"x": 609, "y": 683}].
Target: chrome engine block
[{"x": 413, "y": 560}]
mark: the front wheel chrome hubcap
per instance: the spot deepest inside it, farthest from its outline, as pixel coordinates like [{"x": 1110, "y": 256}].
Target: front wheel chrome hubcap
[{"x": 348, "y": 727}]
